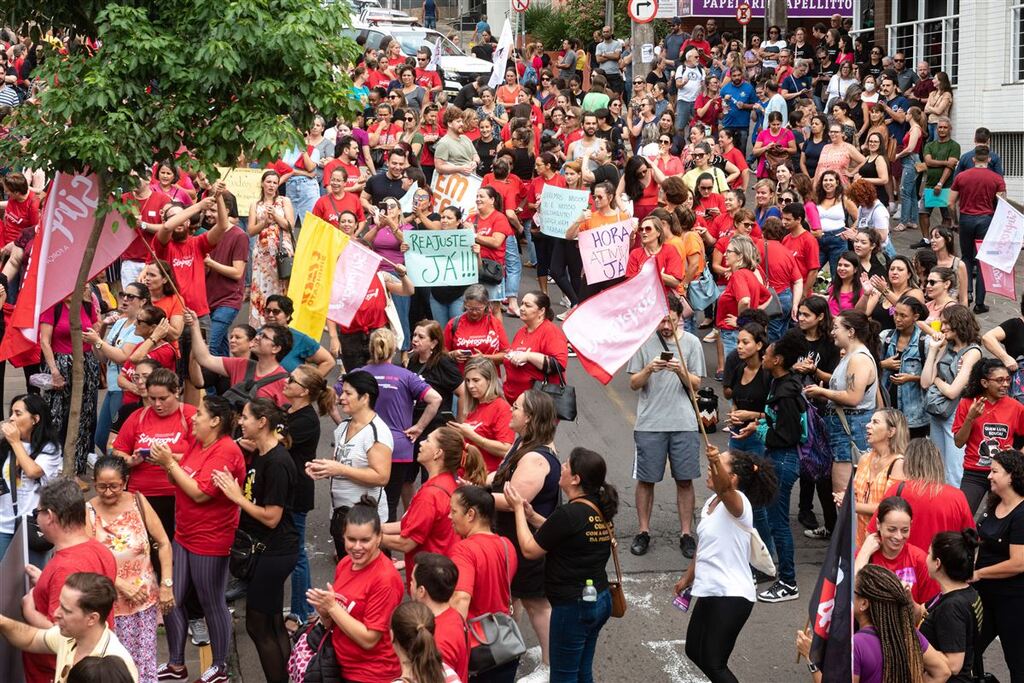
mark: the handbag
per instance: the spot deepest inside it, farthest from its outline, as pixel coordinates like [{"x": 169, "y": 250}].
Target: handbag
[
  {"x": 283, "y": 257},
  {"x": 313, "y": 659},
  {"x": 391, "y": 311},
  {"x": 498, "y": 638},
  {"x": 562, "y": 394},
  {"x": 618, "y": 595},
  {"x": 491, "y": 272},
  {"x": 703, "y": 291},
  {"x": 759, "y": 557},
  {"x": 149, "y": 538},
  {"x": 244, "y": 555},
  {"x": 855, "y": 452}
]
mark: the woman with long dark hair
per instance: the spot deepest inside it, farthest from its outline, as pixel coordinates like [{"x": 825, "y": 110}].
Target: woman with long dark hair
[
  {"x": 846, "y": 289},
  {"x": 901, "y": 358},
  {"x": 955, "y": 617},
  {"x": 640, "y": 182}
]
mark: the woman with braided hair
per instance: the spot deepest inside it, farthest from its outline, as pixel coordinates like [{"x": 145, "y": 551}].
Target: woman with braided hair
[{"x": 886, "y": 647}]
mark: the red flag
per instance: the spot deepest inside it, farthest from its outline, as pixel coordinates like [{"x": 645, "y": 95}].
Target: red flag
[{"x": 607, "y": 329}]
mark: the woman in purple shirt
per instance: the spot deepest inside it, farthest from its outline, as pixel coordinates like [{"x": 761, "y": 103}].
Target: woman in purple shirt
[{"x": 400, "y": 389}]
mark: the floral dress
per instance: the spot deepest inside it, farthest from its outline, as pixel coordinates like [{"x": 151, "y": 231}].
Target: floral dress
[
  {"x": 135, "y": 623},
  {"x": 264, "y": 263}
]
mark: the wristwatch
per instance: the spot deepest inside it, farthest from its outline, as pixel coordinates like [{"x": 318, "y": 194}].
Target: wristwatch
[
  {"x": 812, "y": 668},
  {"x": 168, "y": 582}
]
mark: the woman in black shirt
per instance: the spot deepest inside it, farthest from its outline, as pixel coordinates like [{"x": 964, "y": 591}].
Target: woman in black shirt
[
  {"x": 308, "y": 394},
  {"x": 1006, "y": 340},
  {"x": 428, "y": 359},
  {"x": 576, "y": 540},
  {"x": 951, "y": 623},
  {"x": 999, "y": 569},
  {"x": 747, "y": 385},
  {"x": 266, "y": 502}
]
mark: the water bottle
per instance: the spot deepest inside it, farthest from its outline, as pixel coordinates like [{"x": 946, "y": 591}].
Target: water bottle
[{"x": 589, "y": 592}]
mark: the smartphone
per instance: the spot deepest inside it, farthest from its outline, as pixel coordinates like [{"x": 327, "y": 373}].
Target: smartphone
[
  {"x": 145, "y": 453},
  {"x": 682, "y": 601},
  {"x": 666, "y": 356},
  {"x": 465, "y": 352}
]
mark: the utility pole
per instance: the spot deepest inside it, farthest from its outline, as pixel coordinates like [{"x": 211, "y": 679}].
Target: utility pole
[
  {"x": 641, "y": 34},
  {"x": 777, "y": 14}
]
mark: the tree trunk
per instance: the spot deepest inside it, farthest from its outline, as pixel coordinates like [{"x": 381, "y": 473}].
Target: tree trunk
[{"x": 75, "y": 316}]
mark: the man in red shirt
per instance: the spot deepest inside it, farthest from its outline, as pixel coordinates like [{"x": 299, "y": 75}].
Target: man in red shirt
[
  {"x": 347, "y": 157},
  {"x": 429, "y": 80},
  {"x": 150, "y": 204},
  {"x": 432, "y": 584},
  {"x": 974, "y": 193},
  {"x": 271, "y": 345},
  {"x": 61, "y": 520},
  {"x": 21, "y": 210}
]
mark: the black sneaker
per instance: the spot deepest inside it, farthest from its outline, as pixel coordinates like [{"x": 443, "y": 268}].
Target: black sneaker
[
  {"x": 807, "y": 519},
  {"x": 981, "y": 308},
  {"x": 236, "y": 589},
  {"x": 688, "y": 544},
  {"x": 760, "y": 576},
  {"x": 571, "y": 352},
  {"x": 922, "y": 243},
  {"x": 640, "y": 543},
  {"x": 779, "y": 592}
]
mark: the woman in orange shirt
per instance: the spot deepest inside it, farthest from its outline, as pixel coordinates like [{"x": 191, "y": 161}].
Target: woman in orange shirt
[{"x": 606, "y": 212}]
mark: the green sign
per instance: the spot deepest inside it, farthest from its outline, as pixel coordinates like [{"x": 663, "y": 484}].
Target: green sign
[{"x": 441, "y": 257}]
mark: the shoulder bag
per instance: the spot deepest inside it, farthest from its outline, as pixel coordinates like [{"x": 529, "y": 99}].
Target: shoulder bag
[
  {"x": 313, "y": 659},
  {"x": 935, "y": 402},
  {"x": 618, "y": 595},
  {"x": 284, "y": 257},
  {"x": 562, "y": 394},
  {"x": 244, "y": 555},
  {"x": 491, "y": 272},
  {"x": 760, "y": 559},
  {"x": 703, "y": 291},
  {"x": 497, "y": 635}
]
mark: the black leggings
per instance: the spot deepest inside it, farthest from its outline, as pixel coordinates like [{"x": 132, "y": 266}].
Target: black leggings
[
  {"x": 163, "y": 506},
  {"x": 824, "y": 488},
  {"x": 711, "y": 635},
  {"x": 1002, "y": 618},
  {"x": 264, "y": 621},
  {"x": 566, "y": 267},
  {"x": 975, "y": 486},
  {"x": 399, "y": 475}
]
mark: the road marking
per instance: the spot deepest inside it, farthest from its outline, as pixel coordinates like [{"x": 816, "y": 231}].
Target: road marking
[
  {"x": 671, "y": 654},
  {"x": 613, "y": 396}
]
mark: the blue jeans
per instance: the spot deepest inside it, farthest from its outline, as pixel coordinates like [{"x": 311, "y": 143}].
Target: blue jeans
[
  {"x": 300, "y": 575},
  {"x": 728, "y": 342},
  {"x": 531, "y": 249},
  {"x": 220, "y": 323},
  {"x": 838, "y": 438},
  {"x": 104, "y": 418},
  {"x": 908, "y": 190},
  {"x": 973, "y": 227},
  {"x": 778, "y": 326},
  {"x": 684, "y": 112},
  {"x": 952, "y": 457},
  {"x": 513, "y": 266},
  {"x": 832, "y": 247},
  {"x": 303, "y": 193},
  {"x": 753, "y": 444},
  {"x": 573, "y": 640},
  {"x": 787, "y": 468},
  {"x": 402, "y": 305},
  {"x": 442, "y": 313}
]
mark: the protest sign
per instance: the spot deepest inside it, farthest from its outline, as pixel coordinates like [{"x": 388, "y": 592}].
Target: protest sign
[
  {"x": 316, "y": 254},
  {"x": 244, "y": 183},
  {"x": 1002, "y": 242},
  {"x": 406, "y": 202},
  {"x": 559, "y": 208},
  {"x": 355, "y": 270},
  {"x": 457, "y": 189},
  {"x": 605, "y": 250},
  {"x": 441, "y": 257}
]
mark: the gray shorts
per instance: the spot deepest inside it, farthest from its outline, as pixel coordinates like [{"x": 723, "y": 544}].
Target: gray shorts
[{"x": 681, "y": 448}]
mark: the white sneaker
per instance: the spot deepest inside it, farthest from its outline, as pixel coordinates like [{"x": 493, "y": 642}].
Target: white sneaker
[
  {"x": 542, "y": 674},
  {"x": 564, "y": 302},
  {"x": 563, "y": 316},
  {"x": 711, "y": 337}
]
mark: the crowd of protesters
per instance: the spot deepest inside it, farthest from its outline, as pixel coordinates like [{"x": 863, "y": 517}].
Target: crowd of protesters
[{"x": 849, "y": 369}]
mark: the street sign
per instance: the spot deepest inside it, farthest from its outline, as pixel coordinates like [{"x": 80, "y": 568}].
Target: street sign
[
  {"x": 743, "y": 14},
  {"x": 520, "y": 5},
  {"x": 642, "y": 11}
]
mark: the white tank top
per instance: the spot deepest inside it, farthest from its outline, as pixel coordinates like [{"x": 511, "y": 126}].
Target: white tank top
[{"x": 832, "y": 218}]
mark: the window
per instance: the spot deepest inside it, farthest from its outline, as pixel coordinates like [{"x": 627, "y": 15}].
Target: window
[
  {"x": 1017, "y": 43},
  {"x": 1010, "y": 147},
  {"x": 927, "y": 30}
]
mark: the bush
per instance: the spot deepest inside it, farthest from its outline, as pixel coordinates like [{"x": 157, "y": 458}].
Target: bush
[{"x": 547, "y": 25}]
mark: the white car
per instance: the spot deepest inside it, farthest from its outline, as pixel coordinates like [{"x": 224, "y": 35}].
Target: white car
[{"x": 457, "y": 68}]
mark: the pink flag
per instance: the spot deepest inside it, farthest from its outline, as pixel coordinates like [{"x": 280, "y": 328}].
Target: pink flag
[
  {"x": 607, "y": 329},
  {"x": 997, "y": 281},
  {"x": 59, "y": 248},
  {"x": 355, "y": 270}
]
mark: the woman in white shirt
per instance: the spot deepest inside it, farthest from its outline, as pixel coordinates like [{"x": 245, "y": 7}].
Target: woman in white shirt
[
  {"x": 839, "y": 84},
  {"x": 719, "y": 576},
  {"x": 30, "y": 457}
]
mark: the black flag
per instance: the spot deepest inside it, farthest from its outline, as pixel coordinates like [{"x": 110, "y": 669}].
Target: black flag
[{"x": 830, "y": 610}]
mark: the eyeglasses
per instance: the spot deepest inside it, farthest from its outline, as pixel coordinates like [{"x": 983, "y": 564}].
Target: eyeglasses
[
  {"x": 267, "y": 337},
  {"x": 108, "y": 487},
  {"x": 698, "y": 155},
  {"x": 143, "y": 321},
  {"x": 731, "y": 251},
  {"x": 292, "y": 380},
  {"x": 998, "y": 380}
]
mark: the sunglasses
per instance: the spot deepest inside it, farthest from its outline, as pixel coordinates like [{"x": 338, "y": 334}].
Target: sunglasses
[
  {"x": 785, "y": 201},
  {"x": 698, "y": 155},
  {"x": 409, "y": 119},
  {"x": 273, "y": 311},
  {"x": 421, "y": 59},
  {"x": 143, "y": 321},
  {"x": 932, "y": 282},
  {"x": 128, "y": 296},
  {"x": 665, "y": 142},
  {"x": 706, "y": 188},
  {"x": 571, "y": 116},
  {"x": 393, "y": 96},
  {"x": 648, "y": 228}
]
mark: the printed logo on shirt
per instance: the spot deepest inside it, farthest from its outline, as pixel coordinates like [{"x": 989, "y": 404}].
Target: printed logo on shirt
[
  {"x": 993, "y": 435},
  {"x": 906, "y": 576},
  {"x": 182, "y": 262},
  {"x": 161, "y": 439},
  {"x": 488, "y": 340},
  {"x": 250, "y": 476}
]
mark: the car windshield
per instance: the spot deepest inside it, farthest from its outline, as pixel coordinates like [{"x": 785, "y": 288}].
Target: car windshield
[{"x": 413, "y": 40}]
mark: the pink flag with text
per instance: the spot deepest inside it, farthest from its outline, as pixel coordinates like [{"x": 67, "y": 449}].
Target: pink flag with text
[
  {"x": 607, "y": 329},
  {"x": 355, "y": 270}
]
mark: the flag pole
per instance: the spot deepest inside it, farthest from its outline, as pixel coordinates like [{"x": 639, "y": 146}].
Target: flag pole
[{"x": 689, "y": 389}]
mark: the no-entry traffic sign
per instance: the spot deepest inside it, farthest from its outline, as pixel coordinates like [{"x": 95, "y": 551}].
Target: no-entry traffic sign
[
  {"x": 520, "y": 5},
  {"x": 642, "y": 11},
  {"x": 743, "y": 14}
]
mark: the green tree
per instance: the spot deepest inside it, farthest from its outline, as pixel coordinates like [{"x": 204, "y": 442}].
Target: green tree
[{"x": 223, "y": 79}]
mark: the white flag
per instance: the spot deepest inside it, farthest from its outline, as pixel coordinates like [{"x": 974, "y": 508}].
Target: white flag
[
  {"x": 501, "y": 54},
  {"x": 435, "y": 58},
  {"x": 1002, "y": 242}
]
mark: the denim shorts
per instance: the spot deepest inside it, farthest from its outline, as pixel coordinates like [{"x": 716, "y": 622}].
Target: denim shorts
[
  {"x": 496, "y": 292},
  {"x": 838, "y": 438}
]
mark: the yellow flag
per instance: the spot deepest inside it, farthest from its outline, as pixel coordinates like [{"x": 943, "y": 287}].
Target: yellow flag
[{"x": 316, "y": 254}]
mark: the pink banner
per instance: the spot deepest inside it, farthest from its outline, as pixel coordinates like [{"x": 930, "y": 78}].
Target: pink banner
[
  {"x": 353, "y": 274},
  {"x": 607, "y": 329},
  {"x": 997, "y": 281}
]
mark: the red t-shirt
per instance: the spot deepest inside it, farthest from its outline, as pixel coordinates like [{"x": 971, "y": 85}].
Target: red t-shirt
[
  {"x": 208, "y": 528},
  {"x": 352, "y": 172},
  {"x": 495, "y": 223},
  {"x": 330, "y": 208},
  {"x": 222, "y": 291},
  {"x": 668, "y": 260},
  {"x": 18, "y": 216},
  {"x": 450, "y": 636},
  {"x": 186, "y": 259},
  {"x": 372, "y": 312},
  {"x": 370, "y": 595},
  {"x": 709, "y": 201},
  {"x": 992, "y": 432},
  {"x": 426, "y": 520},
  {"x": 486, "y": 564},
  {"x": 946, "y": 511},
  {"x": 783, "y": 270},
  {"x": 739, "y": 161},
  {"x": 426, "y": 152},
  {"x": 428, "y": 79},
  {"x": 142, "y": 429},
  {"x": 547, "y": 339},
  {"x": 236, "y": 368},
  {"x": 723, "y": 243},
  {"x": 150, "y": 211},
  {"x": 165, "y": 354},
  {"x": 742, "y": 284},
  {"x": 89, "y": 556},
  {"x": 536, "y": 188},
  {"x": 977, "y": 188},
  {"x": 911, "y": 566},
  {"x": 510, "y": 189},
  {"x": 804, "y": 248},
  {"x": 703, "y": 47},
  {"x": 492, "y": 421},
  {"x": 486, "y": 335}
]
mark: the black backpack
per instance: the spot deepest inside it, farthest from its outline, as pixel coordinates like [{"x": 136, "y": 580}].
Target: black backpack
[{"x": 245, "y": 391}]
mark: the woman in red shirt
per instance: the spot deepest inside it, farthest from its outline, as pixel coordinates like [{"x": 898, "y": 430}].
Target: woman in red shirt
[
  {"x": 367, "y": 589},
  {"x": 476, "y": 332},
  {"x": 488, "y": 415},
  {"x": 352, "y": 343},
  {"x": 744, "y": 288},
  {"x": 492, "y": 229},
  {"x": 640, "y": 182},
  {"x": 538, "y": 351},
  {"x": 546, "y": 174},
  {"x": 337, "y": 200},
  {"x": 653, "y": 233},
  {"x": 205, "y": 522},
  {"x": 159, "y": 280}
]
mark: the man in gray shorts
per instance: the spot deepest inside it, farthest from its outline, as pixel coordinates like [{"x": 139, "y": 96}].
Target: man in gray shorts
[{"x": 666, "y": 424}]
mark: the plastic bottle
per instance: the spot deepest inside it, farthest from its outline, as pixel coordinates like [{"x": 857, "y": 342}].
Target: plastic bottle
[{"x": 589, "y": 592}]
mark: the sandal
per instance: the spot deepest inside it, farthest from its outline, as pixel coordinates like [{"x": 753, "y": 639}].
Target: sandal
[{"x": 899, "y": 228}]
